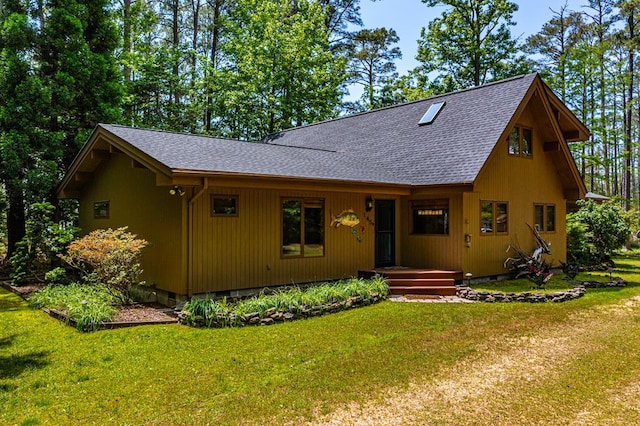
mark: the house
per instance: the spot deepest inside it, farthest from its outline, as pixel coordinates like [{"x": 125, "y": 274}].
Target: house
[{"x": 448, "y": 182}]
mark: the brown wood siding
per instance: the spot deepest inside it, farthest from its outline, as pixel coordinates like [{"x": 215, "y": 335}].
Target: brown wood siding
[
  {"x": 233, "y": 253},
  {"x": 522, "y": 182},
  {"x": 434, "y": 251},
  {"x": 149, "y": 211}
]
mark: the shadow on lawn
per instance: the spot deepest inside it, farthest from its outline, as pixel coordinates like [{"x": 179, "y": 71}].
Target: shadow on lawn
[
  {"x": 12, "y": 366},
  {"x": 10, "y": 301}
]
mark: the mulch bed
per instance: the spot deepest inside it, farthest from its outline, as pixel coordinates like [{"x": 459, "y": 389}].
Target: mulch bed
[{"x": 127, "y": 316}]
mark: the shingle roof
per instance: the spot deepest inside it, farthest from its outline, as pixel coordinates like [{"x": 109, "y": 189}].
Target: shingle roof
[
  {"x": 383, "y": 146},
  {"x": 180, "y": 151},
  {"x": 451, "y": 150}
]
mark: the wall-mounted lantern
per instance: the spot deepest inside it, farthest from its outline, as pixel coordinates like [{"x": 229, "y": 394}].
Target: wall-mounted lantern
[
  {"x": 368, "y": 204},
  {"x": 467, "y": 240}
]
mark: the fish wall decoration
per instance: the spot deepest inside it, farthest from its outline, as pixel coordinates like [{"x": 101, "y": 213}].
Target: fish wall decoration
[{"x": 346, "y": 218}]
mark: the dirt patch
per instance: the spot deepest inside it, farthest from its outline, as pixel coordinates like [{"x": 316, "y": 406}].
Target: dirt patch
[
  {"x": 475, "y": 389},
  {"x": 138, "y": 312}
]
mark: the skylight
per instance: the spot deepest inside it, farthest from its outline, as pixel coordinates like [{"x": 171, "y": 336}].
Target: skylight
[{"x": 431, "y": 113}]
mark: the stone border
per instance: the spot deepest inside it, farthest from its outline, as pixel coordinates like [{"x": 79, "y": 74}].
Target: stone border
[{"x": 465, "y": 292}]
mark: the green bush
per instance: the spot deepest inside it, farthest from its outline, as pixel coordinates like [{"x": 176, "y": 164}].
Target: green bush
[
  {"x": 42, "y": 245},
  {"x": 88, "y": 306},
  {"x": 595, "y": 232},
  {"x": 220, "y": 313}
]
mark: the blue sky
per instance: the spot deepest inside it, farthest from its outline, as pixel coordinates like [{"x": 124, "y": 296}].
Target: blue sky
[{"x": 408, "y": 17}]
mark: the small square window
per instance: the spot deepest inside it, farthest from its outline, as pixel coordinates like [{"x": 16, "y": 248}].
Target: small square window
[
  {"x": 224, "y": 205},
  {"x": 101, "y": 210}
]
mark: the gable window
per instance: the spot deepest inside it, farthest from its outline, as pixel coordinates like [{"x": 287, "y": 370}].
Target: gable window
[
  {"x": 494, "y": 217},
  {"x": 101, "y": 210},
  {"x": 430, "y": 217},
  {"x": 224, "y": 205},
  {"x": 544, "y": 217},
  {"x": 302, "y": 227},
  {"x": 521, "y": 142}
]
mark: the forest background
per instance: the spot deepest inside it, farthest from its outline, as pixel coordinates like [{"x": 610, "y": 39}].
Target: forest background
[{"x": 242, "y": 69}]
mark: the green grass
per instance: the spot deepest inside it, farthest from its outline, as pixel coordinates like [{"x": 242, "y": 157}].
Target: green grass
[{"x": 172, "y": 374}]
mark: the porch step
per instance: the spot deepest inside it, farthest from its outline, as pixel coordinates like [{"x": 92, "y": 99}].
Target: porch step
[{"x": 404, "y": 281}]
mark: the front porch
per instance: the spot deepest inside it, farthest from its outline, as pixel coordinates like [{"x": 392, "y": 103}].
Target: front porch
[{"x": 404, "y": 280}]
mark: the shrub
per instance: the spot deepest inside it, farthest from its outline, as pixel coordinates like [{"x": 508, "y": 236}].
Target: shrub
[
  {"x": 42, "y": 245},
  {"x": 109, "y": 257},
  {"x": 595, "y": 231},
  {"x": 88, "y": 306},
  {"x": 56, "y": 276}
]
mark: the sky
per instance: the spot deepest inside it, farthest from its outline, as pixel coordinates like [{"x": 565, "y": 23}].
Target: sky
[{"x": 408, "y": 17}]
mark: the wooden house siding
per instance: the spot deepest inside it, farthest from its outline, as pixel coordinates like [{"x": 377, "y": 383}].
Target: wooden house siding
[
  {"x": 244, "y": 251},
  {"x": 521, "y": 182},
  {"x": 434, "y": 251},
  {"x": 148, "y": 210}
]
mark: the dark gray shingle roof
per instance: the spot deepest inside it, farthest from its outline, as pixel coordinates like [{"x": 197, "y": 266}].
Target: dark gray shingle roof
[
  {"x": 451, "y": 150},
  {"x": 180, "y": 151},
  {"x": 384, "y": 146}
]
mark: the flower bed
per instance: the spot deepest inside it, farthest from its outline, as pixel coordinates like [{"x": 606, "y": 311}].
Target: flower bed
[{"x": 284, "y": 305}]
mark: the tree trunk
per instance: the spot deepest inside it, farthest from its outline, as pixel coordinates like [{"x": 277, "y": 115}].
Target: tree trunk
[{"x": 16, "y": 228}]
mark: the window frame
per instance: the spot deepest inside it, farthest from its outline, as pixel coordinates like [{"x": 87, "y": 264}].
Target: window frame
[
  {"x": 431, "y": 204},
  {"x": 108, "y": 209},
  {"x": 545, "y": 218},
  {"x": 212, "y": 199},
  {"x": 304, "y": 203},
  {"x": 494, "y": 217},
  {"x": 520, "y": 131}
]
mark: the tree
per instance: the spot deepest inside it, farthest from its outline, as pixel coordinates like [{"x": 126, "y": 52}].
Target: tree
[
  {"x": 470, "y": 42},
  {"x": 595, "y": 231},
  {"x": 58, "y": 79},
  {"x": 371, "y": 63},
  {"x": 22, "y": 102},
  {"x": 554, "y": 43},
  {"x": 279, "y": 71}
]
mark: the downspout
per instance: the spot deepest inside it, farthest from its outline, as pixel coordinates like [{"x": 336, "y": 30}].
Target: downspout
[{"x": 192, "y": 201}]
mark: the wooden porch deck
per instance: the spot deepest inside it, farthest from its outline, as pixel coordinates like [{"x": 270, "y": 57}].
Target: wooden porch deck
[{"x": 415, "y": 281}]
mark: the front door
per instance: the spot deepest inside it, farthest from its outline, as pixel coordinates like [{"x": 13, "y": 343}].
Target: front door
[{"x": 385, "y": 220}]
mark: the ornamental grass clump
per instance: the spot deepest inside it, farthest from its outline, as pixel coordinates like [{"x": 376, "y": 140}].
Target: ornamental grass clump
[
  {"x": 110, "y": 257},
  {"x": 86, "y": 306},
  {"x": 284, "y": 304}
]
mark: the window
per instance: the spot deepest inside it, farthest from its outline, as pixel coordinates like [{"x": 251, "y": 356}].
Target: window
[
  {"x": 430, "y": 216},
  {"x": 302, "y": 228},
  {"x": 431, "y": 113},
  {"x": 494, "y": 217},
  {"x": 545, "y": 217},
  {"x": 224, "y": 205},
  {"x": 521, "y": 142},
  {"x": 101, "y": 210}
]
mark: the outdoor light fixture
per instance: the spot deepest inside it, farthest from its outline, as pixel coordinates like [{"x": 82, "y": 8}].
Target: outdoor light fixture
[
  {"x": 177, "y": 190},
  {"x": 368, "y": 204}
]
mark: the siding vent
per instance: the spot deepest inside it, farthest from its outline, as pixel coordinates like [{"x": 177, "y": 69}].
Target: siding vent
[{"x": 431, "y": 113}]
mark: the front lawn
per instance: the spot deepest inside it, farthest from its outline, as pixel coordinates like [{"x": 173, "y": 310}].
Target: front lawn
[{"x": 304, "y": 370}]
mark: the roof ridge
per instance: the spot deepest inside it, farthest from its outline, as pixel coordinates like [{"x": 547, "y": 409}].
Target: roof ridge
[
  {"x": 122, "y": 126},
  {"x": 217, "y": 138},
  {"x": 398, "y": 105}
]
